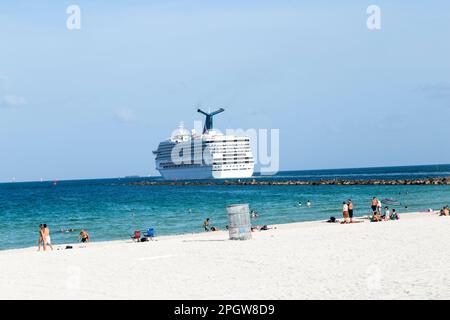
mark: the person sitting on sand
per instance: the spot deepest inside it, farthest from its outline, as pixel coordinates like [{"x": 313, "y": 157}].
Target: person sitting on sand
[
  {"x": 206, "y": 224},
  {"x": 84, "y": 236},
  {"x": 394, "y": 215},
  {"x": 445, "y": 211},
  {"x": 214, "y": 228},
  {"x": 46, "y": 237},
  {"x": 387, "y": 214},
  {"x": 260, "y": 228},
  {"x": 345, "y": 212},
  {"x": 41, "y": 236},
  {"x": 376, "y": 217},
  {"x": 332, "y": 220}
]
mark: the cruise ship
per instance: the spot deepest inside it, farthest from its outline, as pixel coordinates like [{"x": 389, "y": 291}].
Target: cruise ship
[{"x": 187, "y": 155}]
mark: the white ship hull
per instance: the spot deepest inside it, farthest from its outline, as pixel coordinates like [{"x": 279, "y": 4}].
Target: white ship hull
[{"x": 203, "y": 172}]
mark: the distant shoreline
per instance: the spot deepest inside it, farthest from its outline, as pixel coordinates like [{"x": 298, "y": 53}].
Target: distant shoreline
[
  {"x": 321, "y": 171},
  {"x": 290, "y": 182}
]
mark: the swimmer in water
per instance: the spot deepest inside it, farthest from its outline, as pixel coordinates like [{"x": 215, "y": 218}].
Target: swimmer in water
[
  {"x": 66, "y": 230},
  {"x": 308, "y": 204},
  {"x": 254, "y": 214}
]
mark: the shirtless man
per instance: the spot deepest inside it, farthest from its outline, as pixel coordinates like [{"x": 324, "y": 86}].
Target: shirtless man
[
  {"x": 374, "y": 204},
  {"x": 46, "y": 237},
  {"x": 350, "y": 210},
  {"x": 84, "y": 236}
]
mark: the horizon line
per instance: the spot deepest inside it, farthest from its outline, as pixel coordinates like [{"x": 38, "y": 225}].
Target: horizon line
[{"x": 257, "y": 173}]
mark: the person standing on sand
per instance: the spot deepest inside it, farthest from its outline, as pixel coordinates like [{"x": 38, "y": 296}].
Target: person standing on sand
[
  {"x": 41, "y": 237},
  {"x": 345, "y": 212},
  {"x": 374, "y": 204},
  {"x": 350, "y": 210},
  {"x": 46, "y": 237}
]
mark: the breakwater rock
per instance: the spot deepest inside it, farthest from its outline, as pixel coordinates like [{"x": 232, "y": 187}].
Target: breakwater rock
[{"x": 255, "y": 182}]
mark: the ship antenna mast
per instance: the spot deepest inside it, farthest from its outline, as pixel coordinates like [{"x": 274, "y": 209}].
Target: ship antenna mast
[{"x": 209, "y": 118}]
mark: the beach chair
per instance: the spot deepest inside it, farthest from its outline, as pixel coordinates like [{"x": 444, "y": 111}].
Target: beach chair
[
  {"x": 136, "y": 236},
  {"x": 150, "y": 233}
]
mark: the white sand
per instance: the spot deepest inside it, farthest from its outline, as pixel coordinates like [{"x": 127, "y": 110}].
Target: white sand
[{"x": 408, "y": 259}]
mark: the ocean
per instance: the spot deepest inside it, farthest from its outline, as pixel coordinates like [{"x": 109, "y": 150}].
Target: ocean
[{"x": 111, "y": 209}]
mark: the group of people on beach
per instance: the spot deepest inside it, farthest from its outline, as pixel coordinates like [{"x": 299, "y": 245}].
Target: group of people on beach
[
  {"x": 45, "y": 240},
  {"x": 377, "y": 214},
  {"x": 347, "y": 211}
]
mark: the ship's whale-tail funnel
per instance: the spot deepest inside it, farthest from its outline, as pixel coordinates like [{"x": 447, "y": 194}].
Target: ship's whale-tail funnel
[{"x": 209, "y": 118}]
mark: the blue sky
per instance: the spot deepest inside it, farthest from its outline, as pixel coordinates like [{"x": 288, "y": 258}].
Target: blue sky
[{"x": 95, "y": 102}]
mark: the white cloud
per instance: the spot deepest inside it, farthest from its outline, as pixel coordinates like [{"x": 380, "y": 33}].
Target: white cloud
[
  {"x": 125, "y": 115},
  {"x": 12, "y": 101}
]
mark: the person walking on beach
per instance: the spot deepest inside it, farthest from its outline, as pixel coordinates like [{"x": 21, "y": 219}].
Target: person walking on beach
[
  {"x": 41, "y": 236},
  {"x": 350, "y": 210},
  {"x": 46, "y": 237},
  {"x": 345, "y": 212},
  {"x": 374, "y": 204}
]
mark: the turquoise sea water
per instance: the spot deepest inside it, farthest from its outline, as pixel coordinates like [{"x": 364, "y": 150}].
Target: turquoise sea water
[{"x": 110, "y": 209}]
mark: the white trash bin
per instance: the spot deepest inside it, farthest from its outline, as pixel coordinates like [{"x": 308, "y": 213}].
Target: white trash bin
[{"x": 239, "y": 222}]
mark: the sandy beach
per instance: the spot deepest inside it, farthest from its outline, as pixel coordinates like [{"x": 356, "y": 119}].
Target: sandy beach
[{"x": 405, "y": 259}]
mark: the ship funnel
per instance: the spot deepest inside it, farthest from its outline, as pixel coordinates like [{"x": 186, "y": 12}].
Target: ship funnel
[{"x": 209, "y": 118}]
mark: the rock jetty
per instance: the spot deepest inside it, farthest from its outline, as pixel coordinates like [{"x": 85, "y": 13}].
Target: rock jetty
[{"x": 257, "y": 182}]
